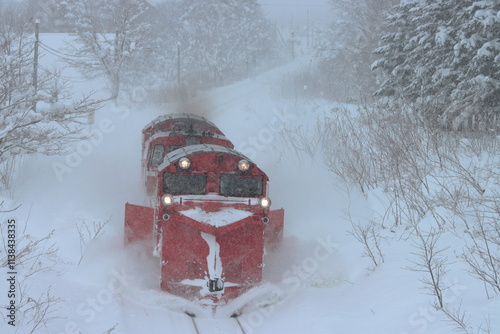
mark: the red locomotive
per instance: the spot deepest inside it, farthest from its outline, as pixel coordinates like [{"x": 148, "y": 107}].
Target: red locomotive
[{"x": 211, "y": 223}]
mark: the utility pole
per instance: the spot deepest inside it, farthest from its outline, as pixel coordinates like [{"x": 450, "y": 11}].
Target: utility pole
[
  {"x": 116, "y": 71},
  {"x": 179, "y": 65},
  {"x": 35, "y": 63},
  {"x": 308, "y": 44},
  {"x": 180, "y": 89}
]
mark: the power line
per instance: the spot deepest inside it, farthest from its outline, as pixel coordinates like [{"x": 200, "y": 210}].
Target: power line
[
  {"x": 71, "y": 79},
  {"x": 294, "y": 5},
  {"x": 58, "y": 53}
]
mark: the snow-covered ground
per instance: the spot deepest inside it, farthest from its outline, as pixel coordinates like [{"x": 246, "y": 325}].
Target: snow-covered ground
[{"x": 316, "y": 283}]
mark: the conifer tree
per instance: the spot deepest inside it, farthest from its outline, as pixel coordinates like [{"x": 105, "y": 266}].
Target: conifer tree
[
  {"x": 347, "y": 55},
  {"x": 445, "y": 56}
]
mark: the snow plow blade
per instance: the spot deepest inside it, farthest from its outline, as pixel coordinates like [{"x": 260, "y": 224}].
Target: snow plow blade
[
  {"x": 138, "y": 224},
  {"x": 273, "y": 233}
]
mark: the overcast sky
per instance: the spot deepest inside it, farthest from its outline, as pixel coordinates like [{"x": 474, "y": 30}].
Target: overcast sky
[{"x": 284, "y": 10}]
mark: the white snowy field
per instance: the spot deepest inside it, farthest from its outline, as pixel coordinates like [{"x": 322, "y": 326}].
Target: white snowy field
[{"x": 318, "y": 282}]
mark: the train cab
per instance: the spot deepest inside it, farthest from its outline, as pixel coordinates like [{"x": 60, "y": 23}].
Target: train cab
[{"x": 171, "y": 132}]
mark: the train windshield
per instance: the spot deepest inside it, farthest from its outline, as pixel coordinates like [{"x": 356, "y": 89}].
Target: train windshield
[
  {"x": 247, "y": 186},
  {"x": 184, "y": 184}
]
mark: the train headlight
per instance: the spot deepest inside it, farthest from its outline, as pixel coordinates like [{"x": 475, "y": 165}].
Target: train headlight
[
  {"x": 184, "y": 163},
  {"x": 167, "y": 199},
  {"x": 243, "y": 165},
  {"x": 265, "y": 202}
]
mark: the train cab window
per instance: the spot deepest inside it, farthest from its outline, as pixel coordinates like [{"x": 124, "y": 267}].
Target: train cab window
[
  {"x": 184, "y": 184},
  {"x": 158, "y": 155},
  {"x": 247, "y": 186}
]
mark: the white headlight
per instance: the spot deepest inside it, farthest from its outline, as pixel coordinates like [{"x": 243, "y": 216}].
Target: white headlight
[
  {"x": 265, "y": 202},
  {"x": 184, "y": 163},
  {"x": 243, "y": 165},
  {"x": 167, "y": 200}
]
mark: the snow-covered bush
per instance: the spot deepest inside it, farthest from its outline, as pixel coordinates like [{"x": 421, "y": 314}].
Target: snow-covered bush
[
  {"x": 112, "y": 40},
  {"x": 42, "y": 121}
]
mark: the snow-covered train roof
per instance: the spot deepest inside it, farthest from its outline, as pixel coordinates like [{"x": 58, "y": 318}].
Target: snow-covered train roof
[
  {"x": 196, "y": 149},
  {"x": 177, "y": 116},
  {"x": 182, "y": 133}
]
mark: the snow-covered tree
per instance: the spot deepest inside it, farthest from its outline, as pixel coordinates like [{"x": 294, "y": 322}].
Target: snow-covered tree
[
  {"x": 219, "y": 39},
  {"x": 112, "y": 38},
  {"x": 445, "y": 55},
  {"x": 356, "y": 30},
  {"x": 24, "y": 129}
]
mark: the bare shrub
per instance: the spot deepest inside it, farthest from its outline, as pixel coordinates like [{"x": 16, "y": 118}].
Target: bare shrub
[
  {"x": 461, "y": 321},
  {"x": 346, "y": 150},
  {"x": 34, "y": 256},
  {"x": 376, "y": 145},
  {"x": 482, "y": 254},
  {"x": 39, "y": 311},
  {"x": 420, "y": 168},
  {"x": 370, "y": 237},
  {"x": 88, "y": 232},
  {"x": 7, "y": 169},
  {"x": 458, "y": 318},
  {"x": 432, "y": 262},
  {"x": 299, "y": 140},
  {"x": 109, "y": 331}
]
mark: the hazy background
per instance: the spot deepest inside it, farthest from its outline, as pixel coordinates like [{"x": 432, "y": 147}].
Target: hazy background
[{"x": 282, "y": 11}]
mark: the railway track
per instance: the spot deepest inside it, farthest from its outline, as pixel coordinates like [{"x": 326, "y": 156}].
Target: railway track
[{"x": 212, "y": 326}]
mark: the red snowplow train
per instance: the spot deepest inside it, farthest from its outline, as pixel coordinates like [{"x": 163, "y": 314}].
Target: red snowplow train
[{"x": 210, "y": 221}]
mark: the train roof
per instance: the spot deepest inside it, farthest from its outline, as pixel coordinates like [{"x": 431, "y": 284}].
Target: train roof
[
  {"x": 193, "y": 123},
  {"x": 197, "y": 149}
]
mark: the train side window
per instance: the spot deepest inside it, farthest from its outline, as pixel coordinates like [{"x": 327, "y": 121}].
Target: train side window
[
  {"x": 158, "y": 155},
  {"x": 248, "y": 186}
]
